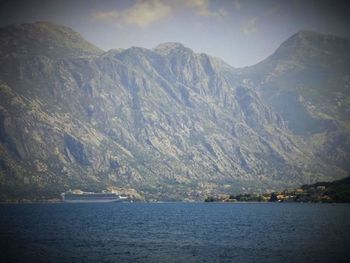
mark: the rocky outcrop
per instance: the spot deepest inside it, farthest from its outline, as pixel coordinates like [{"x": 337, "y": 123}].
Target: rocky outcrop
[{"x": 75, "y": 150}]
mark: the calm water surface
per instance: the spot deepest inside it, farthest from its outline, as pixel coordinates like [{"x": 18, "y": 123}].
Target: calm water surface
[{"x": 175, "y": 232}]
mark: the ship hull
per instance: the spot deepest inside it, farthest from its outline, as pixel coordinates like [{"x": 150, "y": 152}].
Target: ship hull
[
  {"x": 91, "y": 201},
  {"x": 90, "y": 197}
]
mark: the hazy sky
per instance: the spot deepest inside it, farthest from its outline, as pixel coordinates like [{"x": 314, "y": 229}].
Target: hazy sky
[{"x": 240, "y": 32}]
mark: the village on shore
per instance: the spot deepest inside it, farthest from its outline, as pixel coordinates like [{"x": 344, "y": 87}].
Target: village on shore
[{"x": 323, "y": 192}]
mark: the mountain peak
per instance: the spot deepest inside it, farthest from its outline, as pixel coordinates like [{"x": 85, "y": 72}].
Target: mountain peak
[
  {"x": 307, "y": 33},
  {"x": 171, "y": 47},
  {"x": 312, "y": 47},
  {"x": 308, "y": 37},
  {"x": 302, "y": 37},
  {"x": 49, "y": 24},
  {"x": 45, "y": 39},
  {"x": 313, "y": 34}
]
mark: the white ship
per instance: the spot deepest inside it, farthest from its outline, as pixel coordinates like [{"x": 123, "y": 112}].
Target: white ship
[{"x": 78, "y": 196}]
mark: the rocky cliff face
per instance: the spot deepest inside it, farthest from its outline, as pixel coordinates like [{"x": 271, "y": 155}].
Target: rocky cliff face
[{"x": 168, "y": 122}]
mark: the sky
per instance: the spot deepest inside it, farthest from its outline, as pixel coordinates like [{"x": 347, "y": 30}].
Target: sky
[{"x": 242, "y": 33}]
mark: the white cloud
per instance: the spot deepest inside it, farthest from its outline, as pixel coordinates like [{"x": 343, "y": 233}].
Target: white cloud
[
  {"x": 237, "y": 4},
  {"x": 272, "y": 10},
  {"x": 108, "y": 15},
  {"x": 142, "y": 14},
  {"x": 201, "y": 8},
  {"x": 251, "y": 27},
  {"x": 146, "y": 12}
]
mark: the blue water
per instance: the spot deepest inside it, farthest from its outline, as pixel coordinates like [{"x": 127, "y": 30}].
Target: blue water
[{"x": 175, "y": 232}]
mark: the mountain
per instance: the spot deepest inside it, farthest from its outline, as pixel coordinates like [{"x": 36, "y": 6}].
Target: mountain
[
  {"x": 43, "y": 39},
  {"x": 168, "y": 122},
  {"x": 307, "y": 82},
  {"x": 311, "y": 72}
]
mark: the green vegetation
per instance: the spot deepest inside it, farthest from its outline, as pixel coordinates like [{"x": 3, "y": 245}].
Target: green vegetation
[{"x": 325, "y": 192}]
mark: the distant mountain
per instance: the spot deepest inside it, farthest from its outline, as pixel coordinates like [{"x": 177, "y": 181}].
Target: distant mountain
[
  {"x": 168, "y": 122},
  {"x": 309, "y": 71},
  {"x": 307, "y": 82}
]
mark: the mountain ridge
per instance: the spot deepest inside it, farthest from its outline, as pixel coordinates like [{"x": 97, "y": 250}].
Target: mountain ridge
[
  {"x": 44, "y": 38},
  {"x": 170, "y": 125}
]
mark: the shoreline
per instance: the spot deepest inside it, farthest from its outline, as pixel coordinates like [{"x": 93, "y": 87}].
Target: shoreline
[{"x": 162, "y": 202}]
